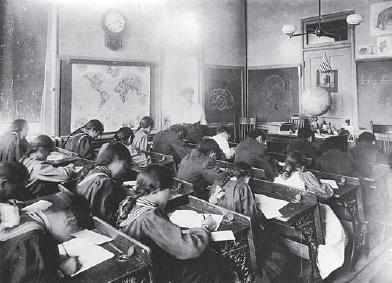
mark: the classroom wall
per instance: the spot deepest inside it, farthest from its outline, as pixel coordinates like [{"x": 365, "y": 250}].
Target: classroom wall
[{"x": 156, "y": 29}]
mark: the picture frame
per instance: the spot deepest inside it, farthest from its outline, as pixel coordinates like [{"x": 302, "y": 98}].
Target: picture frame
[
  {"x": 380, "y": 18},
  {"x": 328, "y": 80}
]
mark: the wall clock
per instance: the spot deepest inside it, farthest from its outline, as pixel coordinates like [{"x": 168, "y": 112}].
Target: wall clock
[{"x": 114, "y": 24}]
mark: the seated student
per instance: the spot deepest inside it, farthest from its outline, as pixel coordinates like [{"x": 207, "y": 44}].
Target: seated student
[
  {"x": 221, "y": 138},
  {"x": 143, "y": 217},
  {"x": 365, "y": 152},
  {"x": 125, "y": 136},
  {"x": 100, "y": 183},
  {"x": 29, "y": 251},
  {"x": 234, "y": 193},
  {"x": 13, "y": 143},
  {"x": 252, "y": 151},
  {"x": 196, "y": 132},
  {"x": 13, "y": 179},
  {"x": 304, "y": 145},
  {"x": 331, "y": 254},
  {"x": 170, "y": 142},
  {"x": 140, "y": 141},
  {"x": 199, "y": 167},
  {"x": 43, "y": 177},
  {"x": 81, "y": 140}
]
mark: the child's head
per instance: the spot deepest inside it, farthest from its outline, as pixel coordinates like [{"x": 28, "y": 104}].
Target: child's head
[
  {"x": 242, "y": 169},
  {"x": 222, "y": 130},
  {"x": 20, "y": 126},
  {"x": 367, "y": 137},
  {"x": 180, "y": 130},
  {"x": 209, "y": 147},
  {"x": 94, "y": 128},
  {"x": 13, "y": 180},
  {"x": 296, "y": 160},
  {"x": 116, "y": 157},
  {"x": 256, "y": 134},
  {"x": 155, "y": 180},
  {"x": 146, "y": 124},
  {"x": 67, "y": 220},
  {"x": 42, "y": 146},
  {"x": 124, "y": 135}
]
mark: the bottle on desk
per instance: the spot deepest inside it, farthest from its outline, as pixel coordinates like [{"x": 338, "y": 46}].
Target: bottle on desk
[{"x": 324, "y": 127}]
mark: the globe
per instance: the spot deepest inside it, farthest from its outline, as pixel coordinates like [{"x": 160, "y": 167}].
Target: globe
[{"x": 316, "y": 101}]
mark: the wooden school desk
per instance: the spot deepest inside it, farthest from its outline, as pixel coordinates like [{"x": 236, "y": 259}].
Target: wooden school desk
[
  {"x": 300, "y": 222},
  {"x": 348, "y": 206},
  {"x": 224, "y": 166},
  {"x": 241, "y": 251}
]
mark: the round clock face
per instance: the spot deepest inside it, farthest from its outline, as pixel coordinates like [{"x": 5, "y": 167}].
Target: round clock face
[{"x": 114, "y": 22}]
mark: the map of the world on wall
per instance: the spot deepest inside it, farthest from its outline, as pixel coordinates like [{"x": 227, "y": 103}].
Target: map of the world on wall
[{"x": 116, "y": 95}]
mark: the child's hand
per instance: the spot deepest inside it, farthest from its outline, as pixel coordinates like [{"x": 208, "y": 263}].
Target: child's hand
[
  {"x": 70, "y": 265},
  {"x": 210, "y": 222}
]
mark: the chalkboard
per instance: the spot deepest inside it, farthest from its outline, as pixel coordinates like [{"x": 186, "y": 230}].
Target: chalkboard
[
  {"x": 374, "y": 86},
  {"x": 223, "y": 93},
  {"x": 273, "y": 94}
]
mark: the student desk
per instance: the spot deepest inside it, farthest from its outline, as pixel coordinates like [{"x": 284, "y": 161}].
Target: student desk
[
  {"x": 136, "y": 269},
  {"x": 348, "y": 207},
  {"x": 240, "y": 252},
  {"x": 300, "y": 222}
]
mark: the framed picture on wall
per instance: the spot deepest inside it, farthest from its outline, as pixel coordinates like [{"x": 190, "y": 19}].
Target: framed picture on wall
[
  {"x": 328, "y": 80},
  {"x": 380, "y": 18},
  {"x": 223, "y": 93}
]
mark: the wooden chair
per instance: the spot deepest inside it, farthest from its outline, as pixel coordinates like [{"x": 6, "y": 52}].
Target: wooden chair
[
  {"x": 242, "y": 125},
  {"x": 383, "y": 135}
]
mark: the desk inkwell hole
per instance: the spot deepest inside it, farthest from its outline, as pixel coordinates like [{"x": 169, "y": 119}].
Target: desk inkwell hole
[
  {"x": 227, "y": 218},
  {"x": 297, "y": 198},
  {"x": 126, "y": 257}
]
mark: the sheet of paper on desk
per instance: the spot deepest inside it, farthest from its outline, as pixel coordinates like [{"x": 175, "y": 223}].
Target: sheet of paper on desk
[
  {"x": 270, "y": 206},
  {"x": 218, "y": 236},
  {"x": 333, "y": 183},
  {"x": 78, "y": 168},
  {"x": 192, "y": 219},
  {"x": 88, "y": 254},
  {"x": 39, "y": 205},
  {"x": 91, "y": 236}
]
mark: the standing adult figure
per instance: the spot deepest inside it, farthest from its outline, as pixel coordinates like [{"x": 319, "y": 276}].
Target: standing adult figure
[{"x": 13, "y": 143}]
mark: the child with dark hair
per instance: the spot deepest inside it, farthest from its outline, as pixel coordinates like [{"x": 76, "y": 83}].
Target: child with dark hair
[
  {"x": 44, "y": 177},
  {"x": 81, "y": 140},
  {"x": 304, "y": 144},
  {"x": 13, "y": 179},
  {"x": 199, "y": 167},
  {"x": 252, "y": 151},
  {"x": 331, "y": 254},
  {"x": 234, "y": 193},
  {"x": 138, "y": 158},
  {"x": 100, "y": 183},
  {"x": 29, "y": 251},
  {"x": 140, "y": 141},
  {"x": 142, "y": 216},
  {"x": 13, "y": 143},
  {"x": 222, "y": 139},
  {"x": 170, "y": 142}
]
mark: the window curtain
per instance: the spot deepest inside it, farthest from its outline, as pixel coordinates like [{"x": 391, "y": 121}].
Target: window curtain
[{"x": 23, "y": 34}]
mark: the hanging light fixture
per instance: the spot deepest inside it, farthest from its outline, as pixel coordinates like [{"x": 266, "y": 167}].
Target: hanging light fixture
[{"x": 352, "y": 20}]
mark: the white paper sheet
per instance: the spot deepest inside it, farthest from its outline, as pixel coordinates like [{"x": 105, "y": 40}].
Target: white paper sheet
[
  {"x": 39, "y": 205},
  {"x": 222, "y": 236},
  {"x": 88, "y": 254},
  {"x": 192, "y": 219},
  {"x": 270, "y": 206},
  {"x": 333, "y": 183},
  {"x": 92, "y": 237}
]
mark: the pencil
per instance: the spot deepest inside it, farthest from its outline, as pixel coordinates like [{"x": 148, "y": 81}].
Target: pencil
[{"x": 114, "y": 247}]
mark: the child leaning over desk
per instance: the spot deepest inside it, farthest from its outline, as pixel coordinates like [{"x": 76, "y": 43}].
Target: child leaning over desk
[{"x": 143, "y": 217}]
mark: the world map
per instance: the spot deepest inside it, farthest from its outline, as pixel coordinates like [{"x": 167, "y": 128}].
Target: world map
[{"x": 116, "y": 95}]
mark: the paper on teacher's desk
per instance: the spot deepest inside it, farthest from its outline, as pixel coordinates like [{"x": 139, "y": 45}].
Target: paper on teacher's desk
[
  {"x": 192, "y": 219},
  {"x": 270, "y": 206},
  {"x": 88, "y": 254},
  {"x": 39, "y": 205},
  {"x": 92, "y": 237},
  {"x": 333, "y": 183},
  {"x": 218, "y": 236}
]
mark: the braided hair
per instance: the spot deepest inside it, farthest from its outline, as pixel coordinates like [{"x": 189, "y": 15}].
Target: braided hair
[
  {"x": 154, "y": 178},
  {"x": 145, "y": 122},
  {"x": 241, "y": 169},
  {"x": 124, "y": 135}
]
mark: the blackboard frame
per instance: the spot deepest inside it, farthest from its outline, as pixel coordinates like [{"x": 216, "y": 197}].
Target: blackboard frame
[
  {"x": 223, "y": 81},
  {"x": 65, "y": 87}
]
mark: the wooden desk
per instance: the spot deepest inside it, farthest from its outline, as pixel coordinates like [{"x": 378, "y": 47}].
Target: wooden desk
[
  {"x": 348, "y": 206},
  {"x": 301, "y": 222},
  {"x": 240, "y": 252},
  {"x": 224, "y": 166}
]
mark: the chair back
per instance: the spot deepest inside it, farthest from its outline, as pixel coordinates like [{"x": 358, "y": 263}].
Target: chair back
[
  {"x": 242, "y": 125},
  {"x": 383, "y": 135}
]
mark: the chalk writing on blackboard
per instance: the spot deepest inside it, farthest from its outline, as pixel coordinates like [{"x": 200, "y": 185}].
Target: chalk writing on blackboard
[
  {"x": 221, "y": 99},
  {"x": 370, "y": 81}
]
